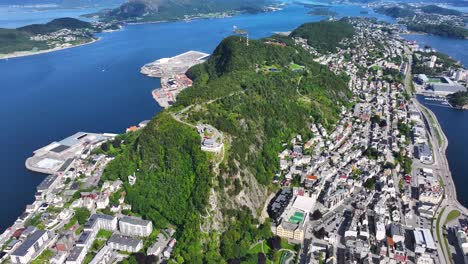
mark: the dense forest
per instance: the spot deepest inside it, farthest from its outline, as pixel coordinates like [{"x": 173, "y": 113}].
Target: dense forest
[
  {"x": 157, "y": 10},
  {"x": 259, "y": 96},
  {"x": 325, "y": 36}
]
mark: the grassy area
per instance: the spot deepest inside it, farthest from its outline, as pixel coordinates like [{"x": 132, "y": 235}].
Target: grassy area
[
  {"x": 454, "y": 214},
  {"x": 286, "y": 245},
  {"x": 258, "y": 248},
  {"x": 435, "y": 80},
  {"x": 104, "y": 234},
  {"x": 70, "y": 224},
  {"x": 295, "y": 67},
  {"x": 44, "y": 257},
  {"x": 440, "y": 237},
  {"x": 89, "y": 257}
]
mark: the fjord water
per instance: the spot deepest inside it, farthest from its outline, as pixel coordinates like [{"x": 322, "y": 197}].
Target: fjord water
[
  {"x": 454, "y": 122},
  {"x": 97, "y": 88}
]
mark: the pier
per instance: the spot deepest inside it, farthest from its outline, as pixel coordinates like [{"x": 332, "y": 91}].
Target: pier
[{"x": 172, "y": 73}]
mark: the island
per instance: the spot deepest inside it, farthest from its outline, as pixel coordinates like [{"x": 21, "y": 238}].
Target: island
[
  {"x": 57, "y": 34},
  {"x": 322, "y": 11},
  {"x": 139, "y": 11},
  {"x": 459, "y": 99}
]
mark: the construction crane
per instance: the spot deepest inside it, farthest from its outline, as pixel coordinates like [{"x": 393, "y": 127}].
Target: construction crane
[{"x": 241, "y": 33}]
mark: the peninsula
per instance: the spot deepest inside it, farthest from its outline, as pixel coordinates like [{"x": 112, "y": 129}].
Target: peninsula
[
  {"x": 57, "y": 34},
  {"x": 429, "y": 19},
  {"x": 138, "y": 11}
]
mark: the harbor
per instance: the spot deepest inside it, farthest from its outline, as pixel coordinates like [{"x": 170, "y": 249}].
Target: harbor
[{"x": 172, "y": 71}]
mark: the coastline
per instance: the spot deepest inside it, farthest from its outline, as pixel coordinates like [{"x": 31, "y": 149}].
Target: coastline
[{"x": 19, "y": 54}]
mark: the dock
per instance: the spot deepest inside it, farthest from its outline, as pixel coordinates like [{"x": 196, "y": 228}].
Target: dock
[{"x": 172, "y": 71}]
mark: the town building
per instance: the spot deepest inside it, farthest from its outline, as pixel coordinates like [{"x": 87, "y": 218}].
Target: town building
[
  {"x": 31, "y": 247},
  {"x": 77, "y": 255},
  {"x": 125, "y": 243},
  {"x": 133, "y": 226}
]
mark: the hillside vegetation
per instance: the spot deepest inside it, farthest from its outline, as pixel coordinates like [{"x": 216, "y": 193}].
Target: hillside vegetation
[
  {"x": 396, "y": 12},
  {"x": 325, "y": 36},
  {"x": 443, "y": 30},
  {"x": 12, "y": 40},
  {"x": 433, "y": 9},
  {"x": 55, "y": 25},
  {"x": 258, "y": 101}
]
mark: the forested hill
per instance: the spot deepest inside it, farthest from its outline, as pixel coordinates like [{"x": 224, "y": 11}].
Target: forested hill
[
  {"x": 158, "y": 10},
  {"x": 324, "y": 35},
  {"x": 259, "y": 96},
  {"x": 55, "y": 25}
]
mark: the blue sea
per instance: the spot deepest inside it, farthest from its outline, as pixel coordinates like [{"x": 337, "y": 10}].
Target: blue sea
[{"x": 98, "y": 87}]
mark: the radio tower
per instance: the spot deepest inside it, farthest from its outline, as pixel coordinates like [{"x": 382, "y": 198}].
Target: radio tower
[{"x": 241, "y": 33}]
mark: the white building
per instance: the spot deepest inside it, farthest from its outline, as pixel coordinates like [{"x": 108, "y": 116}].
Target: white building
[
  {"x": 101, "y": 221},
  {"x": 86, "y": 239},
  {"x": 31, "y": 247},
  {"x": 103, "y": 256},
  {"x": 125, "y": 243},
  {"x": 423, "y": 240},
  {"x": 133, "y": 226},
  {"x": 77, "y": 255}
]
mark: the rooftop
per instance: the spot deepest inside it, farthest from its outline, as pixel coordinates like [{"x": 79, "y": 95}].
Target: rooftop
[
  {"x": 134, "y": 221},
  {"x": 22, "y": 250},
  {"x": 124, "y": 240}
]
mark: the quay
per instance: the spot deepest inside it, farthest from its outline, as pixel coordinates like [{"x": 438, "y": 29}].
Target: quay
[{"x": 172, "y": 73}]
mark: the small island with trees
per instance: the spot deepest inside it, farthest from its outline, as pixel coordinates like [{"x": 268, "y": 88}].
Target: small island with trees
[{"x": 459, "y": 100}]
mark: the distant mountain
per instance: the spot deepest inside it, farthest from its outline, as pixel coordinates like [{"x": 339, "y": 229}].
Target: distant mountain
[
  {"x": 65, "y": 3},
  {"x": 157, "y": 10}
]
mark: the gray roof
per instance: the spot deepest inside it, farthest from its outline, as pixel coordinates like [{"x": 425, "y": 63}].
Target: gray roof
[
  {"x": 396, "y": 230},
  {"x": 444, "y": 87},
  {"x": 93, "y": 219},
  {"x": 46, "y": 183},
  {"x": 423, "y": 150},
  {"x": 75, "y": 253},
  {"x": 289, "y": 226},
  {"x": 124, "y": 240},
  {"x": 85, "y": 236},
  {"x": 22, "y": 250},
  {"x": 134, "y": 221}
]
